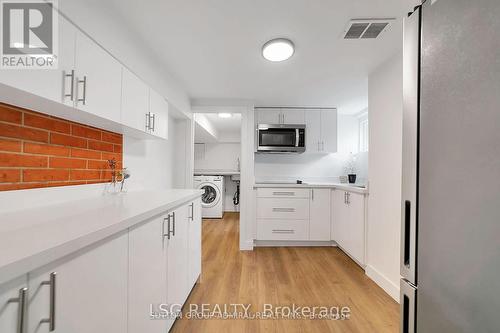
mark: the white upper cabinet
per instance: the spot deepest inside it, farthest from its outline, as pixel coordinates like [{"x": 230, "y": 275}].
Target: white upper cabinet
[
  {"x": 319, "y": 224},
  {"x": 313, "y": 131},
  {"x": 135, "y": 101},
  {"x": 98, "y": 80},
  {"x": 158, "y": 115},
  {"x": 53, "y": 84},
  {"x": 329, "y": 131},
  {"x": 286, "y": 116},
  {"x": 13, "y": 295},
  {"x": 268, "y": 116},
  {"x": 293, "y": 116},
  {"x": 321, "y": 131}
]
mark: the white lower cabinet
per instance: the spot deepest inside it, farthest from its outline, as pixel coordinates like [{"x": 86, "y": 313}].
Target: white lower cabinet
[
  {"x": 348, "y": 223},
  {"x": 113, "y": 286},
  {"x": 13, "y": 304},
  {"x": 319, "y": 221},
  {"x": 85, "y": 292},
  {"x": 164, "y": 264},
  {"x": 177, "y": 246},
  {"x": 194, "y": 232},
  {"x": 147, "y": 276}
]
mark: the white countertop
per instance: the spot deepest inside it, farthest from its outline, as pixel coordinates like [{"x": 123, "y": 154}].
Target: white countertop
[
  {"x": 346, "y": 187},
  {"x": 34, "y": 237},
  {"x": 216, "y": 172}
]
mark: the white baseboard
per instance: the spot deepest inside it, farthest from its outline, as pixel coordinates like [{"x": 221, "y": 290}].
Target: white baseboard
[{"x": 387, "y": 285}]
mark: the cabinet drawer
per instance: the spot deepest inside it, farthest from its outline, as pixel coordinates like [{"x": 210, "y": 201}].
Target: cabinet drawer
[
  {"x": 282, "y": 192},
  {"x": 282, "y": 229},
  {"x": 281, "y": 208}
]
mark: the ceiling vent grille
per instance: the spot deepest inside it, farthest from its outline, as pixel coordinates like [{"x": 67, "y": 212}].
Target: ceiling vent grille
[{"x": 366, "y": 28}]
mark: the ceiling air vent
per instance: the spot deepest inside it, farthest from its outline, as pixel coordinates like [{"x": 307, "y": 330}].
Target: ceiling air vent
[{"x": 366, "y": 28}]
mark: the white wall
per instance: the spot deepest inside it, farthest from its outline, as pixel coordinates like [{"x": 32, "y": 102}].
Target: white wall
[
  {"x": 385, "y": 102},
  {"x": 155, "y": 164},
  {"x": 217, "y": 156},
  {"x": 101, "y": 22}
]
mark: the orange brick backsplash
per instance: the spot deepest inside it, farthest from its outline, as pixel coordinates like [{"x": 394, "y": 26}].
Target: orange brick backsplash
[{"x": 38, "y": 150}]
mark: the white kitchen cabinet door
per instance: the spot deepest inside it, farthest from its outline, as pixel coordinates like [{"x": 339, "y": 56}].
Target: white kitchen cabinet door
[
  {"x": 159, "y": 111},
  {"x": 90, "y": 291},
  {"x": 356, "y": 238},
  {"x": 49, "y": 83},
  {"x": 340, "y": 219},
  {"x": 11, "y": 302},
  {"x": 269, "y": 116},
  {"x": 319, "y": 223},
  {"x": 328, "y": 131},
  {"x": 293, "y": 116},
  {"x": 194, "y": 232},
  {"x": 147, "y": 286},
  {"x": 135, "y": 101},
  {"x": 177, "y": 248},
  {"x": 98, "y": 79},
  {"x": 313, "y": 131}
]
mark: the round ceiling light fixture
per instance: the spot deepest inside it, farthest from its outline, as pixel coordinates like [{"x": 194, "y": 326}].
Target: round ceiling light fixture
[{"x": 279, "y": 49}]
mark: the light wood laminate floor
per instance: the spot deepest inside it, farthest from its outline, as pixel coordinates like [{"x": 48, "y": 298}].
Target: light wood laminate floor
[{"x": 322, "y": 276}]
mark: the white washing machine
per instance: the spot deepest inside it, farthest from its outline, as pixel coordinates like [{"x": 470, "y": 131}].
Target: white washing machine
[{"x": 212, "y": 201}]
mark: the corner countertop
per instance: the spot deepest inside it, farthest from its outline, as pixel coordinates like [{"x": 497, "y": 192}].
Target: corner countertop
[
  {"x": 34, "y": 237},
  {"x": 215, "y": 172},
  {"x": 346, "y": 187}
]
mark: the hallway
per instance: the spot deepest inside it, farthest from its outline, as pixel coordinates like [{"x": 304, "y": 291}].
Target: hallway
[{"x": 283, "y": 277}]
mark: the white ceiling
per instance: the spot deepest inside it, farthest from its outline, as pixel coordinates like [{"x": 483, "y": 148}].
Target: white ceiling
[
  {"x": 213, "y": 47},
  {"x": 231, "y": 125}
]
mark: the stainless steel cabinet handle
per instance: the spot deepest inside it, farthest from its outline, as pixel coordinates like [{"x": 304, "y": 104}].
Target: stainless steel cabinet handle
[
  {"x": 168, "y": 227},
  {"x": 348, "y": 198},
  {"x": 166, "y": 219},
  {"x": 148, "y": 120},
  {"x": 153, "y": 116},
  {"x": 345, "y": 198},
  {"x": 284, "y": 193},
  {"x": 297, "y": 137},
  {"x": 52, "y": 311},
  {"x": 173, "y": 224},
  {"x": 312, "y": 194},
  {"x": 284, "y": 210},
  {"x": 21, "y": 312},
  {"x": 192, "y": 211},
  {"x": 283, "y": 231},
  {"x": 71, "y": 75},
  {"x": 322, "y": 145},
  {"x": 84, "y": 94}
]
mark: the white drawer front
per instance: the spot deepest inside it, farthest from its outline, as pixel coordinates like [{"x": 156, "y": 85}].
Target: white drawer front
[
  {"x": 282, "y": 229},
  {"x": 283, "y": 192},
  {"x": 281, "y": 208}
]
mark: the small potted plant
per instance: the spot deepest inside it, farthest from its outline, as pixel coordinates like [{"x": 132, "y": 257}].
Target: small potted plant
[{"x": 351, "y": 169}]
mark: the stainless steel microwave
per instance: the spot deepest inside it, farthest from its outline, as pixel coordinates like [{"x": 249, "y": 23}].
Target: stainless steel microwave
[{"x": 281, "y": 138}]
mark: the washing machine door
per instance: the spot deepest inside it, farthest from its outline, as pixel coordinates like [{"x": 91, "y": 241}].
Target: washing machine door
[{"x": 211, "y": 195}]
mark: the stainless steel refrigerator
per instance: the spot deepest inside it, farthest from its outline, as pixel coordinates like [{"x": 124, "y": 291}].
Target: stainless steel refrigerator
[{"x": 450, "y": 249}]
